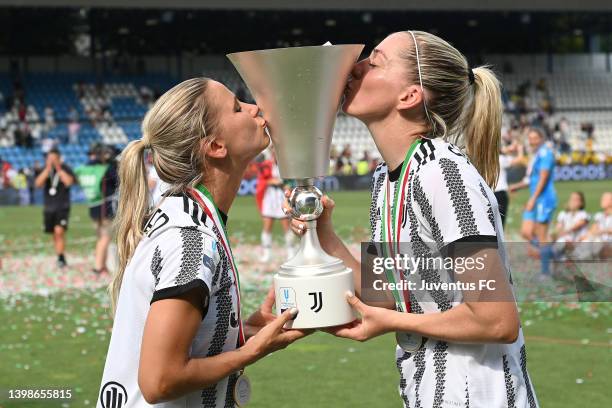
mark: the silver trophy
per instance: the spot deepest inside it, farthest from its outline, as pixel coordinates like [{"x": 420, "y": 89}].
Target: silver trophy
[{"x": 299, "y": 91}]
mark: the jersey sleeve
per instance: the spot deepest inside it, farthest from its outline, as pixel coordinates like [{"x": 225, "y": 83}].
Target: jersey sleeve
[
  {"x": 561, "y": 217},
  {"x": 505, "y": 161},
  {"x": 184, "y": 259},
  {"x": 453, "y": 203},
  {"x": 546, "y": 159}
]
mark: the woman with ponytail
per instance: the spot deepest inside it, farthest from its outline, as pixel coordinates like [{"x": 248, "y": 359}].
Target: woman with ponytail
[
  {"x": 437, "y": 124},
  {"x": 178, "y": 337}
]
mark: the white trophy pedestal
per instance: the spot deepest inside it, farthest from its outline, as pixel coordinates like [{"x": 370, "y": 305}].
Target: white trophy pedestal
[
  {"x": 316, "y": 284},
  {"x": 320, "y": 299}
]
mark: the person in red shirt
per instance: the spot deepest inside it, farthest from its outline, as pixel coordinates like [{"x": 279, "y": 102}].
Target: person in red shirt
[{"x": 270, "y": 197}]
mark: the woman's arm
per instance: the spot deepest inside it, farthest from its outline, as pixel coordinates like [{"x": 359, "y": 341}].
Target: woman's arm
[
  {"x": 330, "y": 242},
  {"x": 41, "y": 178},
  {"x": 518, "y": 186},
  {"x": 579, "y": 225},
  {"x": 167, "y": 371},
  {"x": 484, "y": 317},
  {"x": 274, "y": 182},
  {"x": 333, "y": 245}
]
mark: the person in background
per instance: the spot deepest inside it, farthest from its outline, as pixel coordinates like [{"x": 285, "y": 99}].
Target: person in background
[
  {"x": 270, "y": 197},
  {"x": 542, "y": 202},
  {"x": 106, "y": 250},
  {"x": 571, "y": 224},
  {"x": 506, "y": 160},
  {"x": 598, "y": 238},
  {"x": 73, "y": 132},
  {"x": 90, "y": 178},
  {"x": 4, "y": 166},
  {"x": 363, "y": 165},
  {"x": 344, "y": 165},
  {"x": 20, "y": 183},
  {"x": 49, "y": 118},
  {"x": 34, "y": 172},
  {"x": 56, "y": 179}
]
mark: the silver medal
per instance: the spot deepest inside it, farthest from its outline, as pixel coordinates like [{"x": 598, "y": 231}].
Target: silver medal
[
  {"x": 52, "y": 191},
  {"x": 409, "y": 342},
  {"x": 242, "y": 390}
]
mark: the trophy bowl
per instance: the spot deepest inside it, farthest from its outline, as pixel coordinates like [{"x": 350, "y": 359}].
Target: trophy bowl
[{"x": 299, "y": 90}]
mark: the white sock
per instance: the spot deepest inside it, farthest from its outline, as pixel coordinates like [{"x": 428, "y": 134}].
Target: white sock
[{"x": 266, "y": 239}]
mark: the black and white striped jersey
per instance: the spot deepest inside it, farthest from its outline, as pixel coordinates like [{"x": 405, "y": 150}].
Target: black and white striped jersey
[
  {"x": 446, "y": 201},
  {"x": 180, "y": 250}
]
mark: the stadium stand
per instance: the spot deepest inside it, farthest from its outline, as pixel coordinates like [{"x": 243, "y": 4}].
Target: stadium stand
[{"x": 109, "y": 109}]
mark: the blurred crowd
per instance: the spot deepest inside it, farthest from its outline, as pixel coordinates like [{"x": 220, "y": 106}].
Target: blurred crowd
[
  {"x": 343, "y": 163},
  {"x": 532, "y": 105},
  {"x": 21, "y": 125},
  {"x": 20, "y": 179}
]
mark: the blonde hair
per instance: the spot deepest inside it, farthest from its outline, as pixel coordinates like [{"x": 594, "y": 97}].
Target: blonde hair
[
  {"x": 175, "y": 129},
  {"x": 456, "y": 108}
]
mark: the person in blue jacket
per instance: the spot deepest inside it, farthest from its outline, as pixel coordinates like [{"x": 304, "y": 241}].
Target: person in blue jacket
[{"x": 542, "y": 201}]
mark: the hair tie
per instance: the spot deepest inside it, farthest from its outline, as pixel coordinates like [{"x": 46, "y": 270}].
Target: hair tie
[{"x": 471, "y": 77}]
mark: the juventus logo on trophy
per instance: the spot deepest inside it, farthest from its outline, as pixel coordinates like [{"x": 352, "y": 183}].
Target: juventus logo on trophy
[{"x": 299, "y": 90}]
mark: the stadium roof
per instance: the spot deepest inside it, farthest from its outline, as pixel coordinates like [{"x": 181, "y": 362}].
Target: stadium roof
[{"x": 479, "y": 5}]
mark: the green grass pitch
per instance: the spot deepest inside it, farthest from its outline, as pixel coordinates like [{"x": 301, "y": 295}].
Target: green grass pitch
[{"x": 60, "y": 341}]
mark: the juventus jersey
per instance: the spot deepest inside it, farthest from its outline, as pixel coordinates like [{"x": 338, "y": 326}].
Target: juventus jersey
[
  {"x": 180, "y": 250},
  {"x": 604, "y": 222},
  {"x": 447, "y": 200},
  {"x": 569, "y": 219}
]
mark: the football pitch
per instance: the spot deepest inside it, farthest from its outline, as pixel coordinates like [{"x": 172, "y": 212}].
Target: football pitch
[{"x": 56, "y": 324}]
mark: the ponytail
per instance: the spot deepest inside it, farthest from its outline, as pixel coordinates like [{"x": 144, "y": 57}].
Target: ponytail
[
  {"x": 176, "y": 127},
  {"x": 132, "y": 210},
  {"x": 459, "y": 108},
  {"x": 482, "y": 132}
]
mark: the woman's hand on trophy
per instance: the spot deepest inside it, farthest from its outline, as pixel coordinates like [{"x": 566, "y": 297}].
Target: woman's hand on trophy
[
  {"x": 324, "y": 222},
  {"x": 261, "y": 316},
  {"x": 273, "y": 336},
  {"x": 373, "y": 321}
]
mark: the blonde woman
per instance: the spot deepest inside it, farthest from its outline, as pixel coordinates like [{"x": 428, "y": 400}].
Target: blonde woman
[
  {"x": 416, "y": 93},
  {"x": 178, "y": 338}
]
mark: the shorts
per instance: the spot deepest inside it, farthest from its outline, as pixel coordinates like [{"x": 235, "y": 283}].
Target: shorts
[
  {"x": 272, "y": 206},
  {"x": 57, "y": 217},
  {"x": 502, "y": 202},
  {"x": 101, "y": 212},
  {"x": 541, "y": 213}
]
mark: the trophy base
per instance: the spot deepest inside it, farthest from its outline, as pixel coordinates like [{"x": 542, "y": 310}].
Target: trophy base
[{"x": 320, "y": 299}]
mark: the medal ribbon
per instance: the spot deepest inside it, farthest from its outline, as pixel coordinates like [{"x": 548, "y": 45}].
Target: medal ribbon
[
  {"x": 54, "y": 182},
  {"x": 226, "y": 246},
  {"x": 392, "y": 224}
]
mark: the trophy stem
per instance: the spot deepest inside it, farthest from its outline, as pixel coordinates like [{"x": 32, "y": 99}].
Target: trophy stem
[
  {"x": 311, "y": 259},
  {"x": 310, "y": 247},
  {"x": 305, "y": 182}
]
